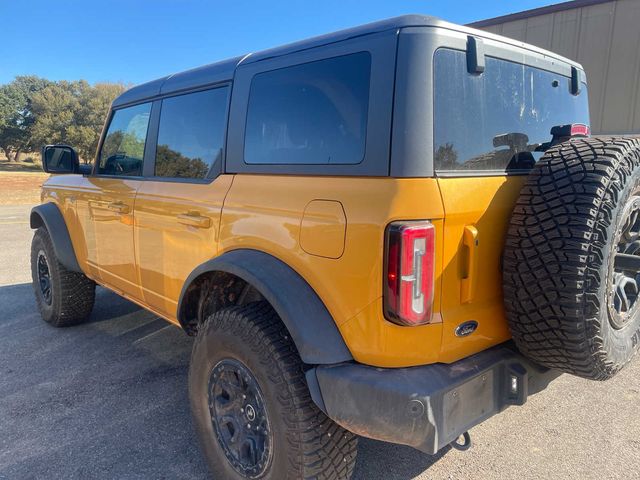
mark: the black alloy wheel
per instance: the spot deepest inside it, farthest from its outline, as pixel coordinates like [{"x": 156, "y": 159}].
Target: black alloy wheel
[
  {"x": 624, "y": 277},
  {"x": 251, "y": 406},
  {"x": 239, "y": 417},
  {"x": 63, "y": 297},
  {"x": 44, "y": 278}
]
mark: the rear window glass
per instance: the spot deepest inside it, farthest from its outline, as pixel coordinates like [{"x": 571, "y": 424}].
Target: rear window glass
[
  {"x": 191, "y": 134},
  {"x": 309, "y": 114},
  {"x": 497, "y": 121}
]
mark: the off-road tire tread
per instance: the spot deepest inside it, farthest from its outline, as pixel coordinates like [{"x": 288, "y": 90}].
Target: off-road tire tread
[
  {"x": 74, "y": 293},
  {"x": 323, "y": 449},
  {"x": 554, "y": 250}
]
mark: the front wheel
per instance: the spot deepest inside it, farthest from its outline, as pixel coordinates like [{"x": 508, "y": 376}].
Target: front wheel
[
  {"x": 251, "y": 405},
  {"x": 64, "y": 298}
]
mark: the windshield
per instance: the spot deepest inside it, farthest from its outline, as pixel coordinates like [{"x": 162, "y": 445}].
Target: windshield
[{"x": 497, "y": 121}]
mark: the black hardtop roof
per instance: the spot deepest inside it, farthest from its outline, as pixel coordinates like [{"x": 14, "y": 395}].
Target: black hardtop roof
[
  {"x": 189, "y": 79},
  {"x": 224, "y": 70}
]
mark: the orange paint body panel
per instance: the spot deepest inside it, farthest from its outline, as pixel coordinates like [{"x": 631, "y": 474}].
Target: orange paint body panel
[
  {"x": 143, "y": 238},
  {"x": 479, "y": 209},
  {"x": 176, "y": 229}
]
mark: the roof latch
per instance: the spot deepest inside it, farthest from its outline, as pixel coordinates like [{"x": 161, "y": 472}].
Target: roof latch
[{"x": 475, "y": 55}]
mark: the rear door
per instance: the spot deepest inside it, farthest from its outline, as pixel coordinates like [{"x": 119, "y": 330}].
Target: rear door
[
  {"x": 488, "y": 132},
  {"x": 178, "y": 205}
]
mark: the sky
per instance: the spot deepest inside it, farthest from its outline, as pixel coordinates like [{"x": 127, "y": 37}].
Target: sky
[{"x": 133, "y": 41}]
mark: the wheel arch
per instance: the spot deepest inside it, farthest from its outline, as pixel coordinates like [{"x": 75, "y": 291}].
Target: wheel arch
[
  {"x": 48, "y": 215},
  {"x": 305, "y": 316}
]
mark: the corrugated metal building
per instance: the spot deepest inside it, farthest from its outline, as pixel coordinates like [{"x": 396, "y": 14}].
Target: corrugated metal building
[{"x": 604, "y": 36}]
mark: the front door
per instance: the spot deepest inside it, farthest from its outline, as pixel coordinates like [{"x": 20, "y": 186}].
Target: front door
[
  {"x": 178, "y": 207},
  {"x": 106, "y": 207}
]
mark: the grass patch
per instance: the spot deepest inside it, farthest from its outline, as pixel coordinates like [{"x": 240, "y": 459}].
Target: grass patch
[{"x": 27, "y": 163}]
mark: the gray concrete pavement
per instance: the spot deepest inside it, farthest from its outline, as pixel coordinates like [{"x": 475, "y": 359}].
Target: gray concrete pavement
[
  {"x": 108, "y": 399},
  {"x": 15, "y": 242}
]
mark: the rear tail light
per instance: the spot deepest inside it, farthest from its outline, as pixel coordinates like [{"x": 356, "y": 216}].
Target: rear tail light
[
  {"x": 580, "y": 130},
  {"x": 409, "y": 272},
  {"x": 570, "y": 130}
]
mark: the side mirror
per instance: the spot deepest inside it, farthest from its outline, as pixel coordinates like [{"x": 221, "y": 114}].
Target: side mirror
[
  {"x": 60, "y": 159},
  {"x": 85, "y": 169}
]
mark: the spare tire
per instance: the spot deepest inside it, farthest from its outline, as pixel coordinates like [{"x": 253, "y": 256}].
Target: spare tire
[{"x": 571, "y": 266}]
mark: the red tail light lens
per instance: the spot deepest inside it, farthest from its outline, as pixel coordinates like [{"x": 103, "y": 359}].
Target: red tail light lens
[
  {"x": 580, "y": 130},
  {"x": 409, "y": 272},
  {"x": 564, "y": 132}
]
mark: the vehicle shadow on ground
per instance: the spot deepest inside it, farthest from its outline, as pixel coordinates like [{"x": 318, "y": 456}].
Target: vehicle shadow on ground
[
  {"x": 108, "y": 399},
  {"x": 393, "y": 462}
]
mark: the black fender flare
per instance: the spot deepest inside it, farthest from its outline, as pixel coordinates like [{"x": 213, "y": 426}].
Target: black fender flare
[
  {"x": 49, "y": 216},
  {"x": 307, "y": 319}
]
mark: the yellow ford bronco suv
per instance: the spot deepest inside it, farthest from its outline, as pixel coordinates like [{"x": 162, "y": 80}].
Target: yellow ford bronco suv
[{"x": 394, "y": 231}]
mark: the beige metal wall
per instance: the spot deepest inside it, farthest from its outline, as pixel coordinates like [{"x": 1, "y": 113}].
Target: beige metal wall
[{"x": 605, "y": 39}]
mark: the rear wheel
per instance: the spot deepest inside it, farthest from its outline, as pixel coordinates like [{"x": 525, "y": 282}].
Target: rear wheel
[
  {"x": 572, "y": 258},
  {"x": 63, "y": 297},
  {"x": 251, "y": 405}
]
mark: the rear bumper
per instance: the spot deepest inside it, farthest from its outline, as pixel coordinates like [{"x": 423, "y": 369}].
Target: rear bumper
[{"x": 426, "y": 407}]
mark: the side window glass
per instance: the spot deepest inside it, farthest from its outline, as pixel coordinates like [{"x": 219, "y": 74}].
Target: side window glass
[
  {"x": 123, "y": 148},
  {"x": 310, "y": 114},
  {"x": 191, "y": 134}
]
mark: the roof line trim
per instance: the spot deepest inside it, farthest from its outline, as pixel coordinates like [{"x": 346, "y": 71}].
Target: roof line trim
[{"x": 534, "y": 12}]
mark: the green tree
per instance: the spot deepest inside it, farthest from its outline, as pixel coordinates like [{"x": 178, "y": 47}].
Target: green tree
[
  {"x": 54, "y": 110},
  {"x": 35, "y": 112},
  {"x": 170, "y": 163},
  {"x": 94, "y": 102},
  {"x": 17, "y": 118},
  {"x": 446, "y": 157},
  {"x": 73, "y": 113}
]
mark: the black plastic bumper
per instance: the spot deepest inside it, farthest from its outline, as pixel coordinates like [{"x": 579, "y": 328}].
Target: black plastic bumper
[{"x": 430, "y": 406}]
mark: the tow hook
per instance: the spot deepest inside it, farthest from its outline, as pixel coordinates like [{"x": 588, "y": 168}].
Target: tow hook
[{"x": 466, "y": 445}]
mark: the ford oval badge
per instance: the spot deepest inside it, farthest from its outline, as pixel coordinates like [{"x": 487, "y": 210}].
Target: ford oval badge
[{"x": 467, "y": 328}]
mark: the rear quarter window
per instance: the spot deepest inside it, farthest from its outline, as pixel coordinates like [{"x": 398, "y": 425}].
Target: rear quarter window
[
  {"x": 309, "y": 114},
  {"x": 498, "y": 120}
]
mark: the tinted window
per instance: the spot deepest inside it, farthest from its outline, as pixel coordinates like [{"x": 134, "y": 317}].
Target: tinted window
[
  {"x": 315, "y": 113},
  {"x": 191, "y": 134},
  {"x": 123, "y": 148},
  {"x": 497, "y": 120}
]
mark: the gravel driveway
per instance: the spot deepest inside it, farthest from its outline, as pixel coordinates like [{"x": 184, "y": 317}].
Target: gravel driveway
[{"x": 108, "y": 399}]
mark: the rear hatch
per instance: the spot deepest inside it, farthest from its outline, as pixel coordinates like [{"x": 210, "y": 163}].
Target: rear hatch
[{"x": 489, "y": 130}]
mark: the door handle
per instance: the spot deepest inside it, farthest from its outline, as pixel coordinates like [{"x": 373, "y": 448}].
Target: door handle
[
  {"x": 118, "y": 207},
  {"x": 194, "y": 220},
  {"x": 470, "y": 273}
]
